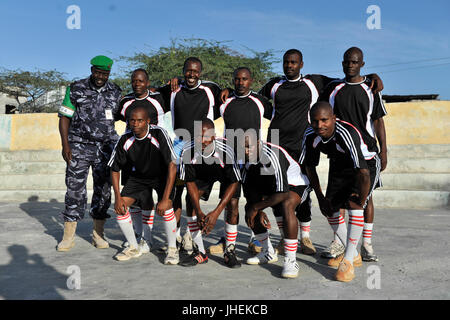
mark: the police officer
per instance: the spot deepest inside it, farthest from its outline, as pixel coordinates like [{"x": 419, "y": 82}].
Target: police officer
[{"x": 88, "y": 136}]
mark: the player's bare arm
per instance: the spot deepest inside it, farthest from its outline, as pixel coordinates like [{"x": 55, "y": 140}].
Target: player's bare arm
[
  {"x": 194, "y": 195},
  {"x": 380, "y": 132},
  {"x": 324, "y": 204},
  {"x": 64, "y": 124},
  {"x": 272, "y": 200}
]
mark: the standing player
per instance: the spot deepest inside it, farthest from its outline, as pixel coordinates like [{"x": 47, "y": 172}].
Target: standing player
[
  {"x": 203, "y": 162},
  {"x": 88, "y": 135},
  {"x": 191, "y": 100},
  {"x": 147, "y": 149},
  {"x": 353, "y": 101},
  {"x": 273, "y": 179},
  {"x": 349, "y": 180},
  {"x": 243, "y": 112},
  {"x": 292, "y": 96},
  {"x": 155, "y": 106}
]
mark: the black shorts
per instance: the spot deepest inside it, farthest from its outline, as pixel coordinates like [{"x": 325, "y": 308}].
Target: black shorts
[
  {"x": 342, "y": 183},
  {"x": 254, "y": 195},
  {"x": 142, "y": 192}
]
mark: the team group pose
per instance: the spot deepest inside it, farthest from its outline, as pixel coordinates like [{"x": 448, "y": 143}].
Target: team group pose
[{"x": 308, "y": 114}]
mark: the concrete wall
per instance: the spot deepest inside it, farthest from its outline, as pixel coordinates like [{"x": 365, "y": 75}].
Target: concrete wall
[{"x": 409, "y": 123}]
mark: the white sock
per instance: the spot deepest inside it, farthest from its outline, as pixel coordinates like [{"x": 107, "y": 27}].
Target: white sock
[
  {"x": 367, "y": 233},
  {"x": 337, "y": 223},
  {"x": 178, "y": 232},
  {"x": 280, "y": 226},
  {"x": 355, "y": 228},
  {"x": 148, "y": 217},
  {"x": 170, "y": 226},
  {"x": 266, "y": 244},
  {"x": 196, "y": 233},
  {"x": 126, "y": 225},
  {"x": 305, "y": 228},
  {"x": 230, "y": 234},
  {"x": 136, "y": 217},
  {"x": 290, "y": 248}
]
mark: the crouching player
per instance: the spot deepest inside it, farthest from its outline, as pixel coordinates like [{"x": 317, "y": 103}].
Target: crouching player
[
  {"x": 349, "y": 180},
  {"x": 147, "y": 152},
  {"x": 272, "y": 178}
]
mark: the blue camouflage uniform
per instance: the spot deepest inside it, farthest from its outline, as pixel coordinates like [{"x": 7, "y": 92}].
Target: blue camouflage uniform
[{"x": 92, "y": 138}]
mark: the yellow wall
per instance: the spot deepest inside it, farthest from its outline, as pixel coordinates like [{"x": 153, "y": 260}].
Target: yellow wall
[{"x": 423, "y": 122}]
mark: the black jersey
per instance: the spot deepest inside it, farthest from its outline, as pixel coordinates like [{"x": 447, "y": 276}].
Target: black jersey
[
  {"x": 219, "y": 165},
  {"x": 345, "y": 147},
  {"x": 192, "y": 104},
  {"x": 356, "y": 104},
  {"x": 275, "y": 171},
  {"x": 292, "y": 100},
  {"x": 245, "y": 112},
  {"x": 146, "y": 159},
  {"x": 153, "y": 103}
]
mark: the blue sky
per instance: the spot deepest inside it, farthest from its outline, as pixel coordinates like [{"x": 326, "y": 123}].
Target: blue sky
[{"x": 411, "y": 51}]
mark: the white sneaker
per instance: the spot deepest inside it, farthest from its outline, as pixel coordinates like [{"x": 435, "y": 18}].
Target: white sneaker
[
  {"x": 144, "y": 246},
  {"x": 367, "y": 253},
  {"x": 334, "y": 249},
  {"x": 128, "y": 254},
  {"x": 263, "y": 257},
  {"x": 186, "y": 243},
  {"x": 172, "y": 256},
  {"x": 290, "y": 268}
]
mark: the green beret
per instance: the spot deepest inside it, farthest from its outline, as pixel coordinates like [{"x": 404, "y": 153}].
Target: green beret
[{"x": 102, "y": 62}]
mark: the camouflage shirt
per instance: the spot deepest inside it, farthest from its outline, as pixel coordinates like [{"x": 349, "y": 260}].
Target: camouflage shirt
[{"x": 91, "y": 111}]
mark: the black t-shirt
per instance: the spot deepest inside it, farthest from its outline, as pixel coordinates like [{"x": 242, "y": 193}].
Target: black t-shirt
[
  {"x": 153, "y": 103},
  {"x": 274, "y": 171},
  {"x": 344, "y": 148},
  {"x": 355, "y": 103},
  {"x": 192, "y": 104},
  {"x": 145, "y": 159},
  {"x": 245, "y": 112},
  {"x": 292, "y": 100},
  {"x": 219, "y": 165}
]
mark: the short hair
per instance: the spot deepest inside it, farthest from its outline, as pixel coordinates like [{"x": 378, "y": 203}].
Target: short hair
[
  {"x": 140, "y": 108},
  {"x": 321, "y": 105},
  {"x": 140, "y": 70},
  {"x": 354, "y": 49},
  {"x": 193, "y": 59},
  {"x": 208, "y": 122},
  {"x": 240, "y": 69},
  {"x": 294, "y": 51}
]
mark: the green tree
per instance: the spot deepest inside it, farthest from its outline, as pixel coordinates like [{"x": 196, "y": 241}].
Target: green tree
[
  {"x": 35, "y": 86},
  {"x": 219, "y": 62}
]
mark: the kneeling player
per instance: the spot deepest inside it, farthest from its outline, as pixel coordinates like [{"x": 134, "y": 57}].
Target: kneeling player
[
  {"x": 349, "y": 181},
  {"x": 273, "y": 179},
  {"x": 203, "y": 162},
  {"x": 148, "y": 154}
]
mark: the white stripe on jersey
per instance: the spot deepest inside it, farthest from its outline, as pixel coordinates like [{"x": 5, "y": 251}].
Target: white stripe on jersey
[
  {"x": 113, "y": 154},
  {"x": 364, "y": 148},
  {"x": 314, "y": 94},
  {"x": 273, "y": 91},
  {"x": 369, "y": 124},
  {"x": 168, "y": 140},
  {"x": 294, "y": 172},
  {"x": 343, "y": 132},
  {"x": 172, "y": 105},
  {"x": 275, "y": 162},
  {"x": 382, "y": 103},
  {"x": 227, "y": 149},
  {"x": 334, "y": 93},
  {"x": 308, "y": 131},
  {"x": 125, "y": 107},
  {"x": 210, "y": 96},
  {"x": 127, "y": 145},
  {"x": 261, "y": 111},
  {"x": 158, "y": 108}
]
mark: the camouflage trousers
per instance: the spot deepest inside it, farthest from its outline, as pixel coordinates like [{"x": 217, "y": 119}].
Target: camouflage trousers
[{"x": 85, "y": 156}]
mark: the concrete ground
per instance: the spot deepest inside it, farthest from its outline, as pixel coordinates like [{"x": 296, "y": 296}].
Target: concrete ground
[{"x": 412, "y": 246}]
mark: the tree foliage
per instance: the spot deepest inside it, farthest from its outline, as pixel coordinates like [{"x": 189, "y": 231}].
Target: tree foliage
[
  {"x": 33, "y": 85},
  {"x": 219, "y": 62}
]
